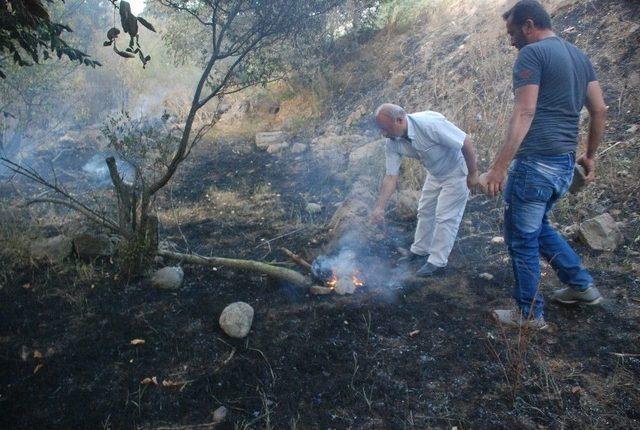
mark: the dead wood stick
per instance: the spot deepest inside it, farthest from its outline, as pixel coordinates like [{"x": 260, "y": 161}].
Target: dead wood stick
[
  {"x": 281, "y": 273},
  {"x": 224, "y": 362},
  {"x": 210, "y": 425},
  {"x": 624, "y": 354},
  {"x": 297, "y": 259}
]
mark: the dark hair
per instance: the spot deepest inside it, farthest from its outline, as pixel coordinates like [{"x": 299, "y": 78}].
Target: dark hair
[{"x": 528, "y": 9}]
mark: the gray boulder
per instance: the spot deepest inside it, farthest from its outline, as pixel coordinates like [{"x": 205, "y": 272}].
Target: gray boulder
[
  {"x": 89, "y": 245},
  {"x": 168, "y": 278},
  {"x": 601, "y": 233},
  {"x": 331, "y": 150},
  {"x": 267, "y": 138},
  {"x": 236, "y": 319},
  {"x": 368, "y": 159},
  {"x": 299, "y": 148},
  {"x": 53, "y": 250}
]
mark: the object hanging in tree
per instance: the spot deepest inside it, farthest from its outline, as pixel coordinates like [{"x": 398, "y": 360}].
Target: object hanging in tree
[{"x": 129, "y": 24}]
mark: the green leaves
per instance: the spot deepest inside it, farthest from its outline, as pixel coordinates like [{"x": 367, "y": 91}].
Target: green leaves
[{"x": 28, "y": 31}]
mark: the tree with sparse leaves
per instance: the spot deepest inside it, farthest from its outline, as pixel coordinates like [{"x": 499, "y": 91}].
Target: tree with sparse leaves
[{"x": 238, "y": 47}]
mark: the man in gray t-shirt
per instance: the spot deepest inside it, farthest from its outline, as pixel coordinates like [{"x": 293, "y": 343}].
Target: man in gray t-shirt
[
  {"x": 447, "y": 154},
  {"x": 552, "y": 81}
]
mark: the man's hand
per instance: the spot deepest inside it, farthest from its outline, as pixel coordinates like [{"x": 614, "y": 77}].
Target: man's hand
[
  {"x": 493, "y": 181},
  {"x": 473, "y": 181},
  {"x": 589, "y": 165},
  {"x": 377, "y": 216}
]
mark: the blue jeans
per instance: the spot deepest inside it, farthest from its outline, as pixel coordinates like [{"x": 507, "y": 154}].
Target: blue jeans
[{"x": 534, "y": 186}]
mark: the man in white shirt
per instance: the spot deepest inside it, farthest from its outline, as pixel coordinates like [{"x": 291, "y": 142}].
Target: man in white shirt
[{"x": 446, "y": 152}]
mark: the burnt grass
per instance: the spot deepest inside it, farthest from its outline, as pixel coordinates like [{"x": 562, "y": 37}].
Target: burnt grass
[{"x": 66, "y": 358}]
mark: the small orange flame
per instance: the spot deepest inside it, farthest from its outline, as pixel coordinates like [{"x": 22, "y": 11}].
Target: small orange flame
[{"x": 333, "y": 281}]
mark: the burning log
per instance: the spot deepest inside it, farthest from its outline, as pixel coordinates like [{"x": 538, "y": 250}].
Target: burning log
[
  {"x": 279, "y": 273},
  {"x": 339, "y": 273}
]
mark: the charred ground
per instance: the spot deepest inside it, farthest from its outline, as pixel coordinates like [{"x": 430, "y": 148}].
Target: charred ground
[
  {"x": 66, "y": 358},
  {"x": 309, "y": 362}
]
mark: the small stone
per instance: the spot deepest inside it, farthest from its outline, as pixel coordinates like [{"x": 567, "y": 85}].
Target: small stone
[
  {"x": 299, "y": 148},
  {"x": 236, "y": 319},
  {"x": 168, "y": 278},
  {"x": 220, "y": 414},
  {"x": 313, "y": 208},
  {"x": 319, "y": 290},
  {"x": 571, "y": 231},
  {"x": 497, "y": 240},
  {"x": 487, "y": 276},
  {"x": 579, "y": 179},
  {"x": 277, "y": 147}
]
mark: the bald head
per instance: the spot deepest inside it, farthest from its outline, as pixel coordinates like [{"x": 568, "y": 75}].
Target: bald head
[{"x": 391, "y": 120}]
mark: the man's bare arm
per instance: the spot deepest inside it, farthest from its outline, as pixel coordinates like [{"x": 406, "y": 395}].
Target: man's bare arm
[
  {"x": 469, "y": 153},
  {"x": 389, "y": 185},
  {"x": 597, "y": 116},
  {"x": 519, "y": 124}
]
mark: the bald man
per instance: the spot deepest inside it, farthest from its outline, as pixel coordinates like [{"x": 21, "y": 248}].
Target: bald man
[{"x": 448, "y": 156}]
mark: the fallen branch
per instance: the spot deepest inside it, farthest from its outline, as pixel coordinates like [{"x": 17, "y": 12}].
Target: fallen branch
[
  {"x": 624, "y": 354},
  {"x": 297, "y": 259},
  {"x": 280, "y": 273},
  {"x": 224, "y": 362}
]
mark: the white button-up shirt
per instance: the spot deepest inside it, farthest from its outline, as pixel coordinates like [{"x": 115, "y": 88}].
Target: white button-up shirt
[{"x": 433, "y": 140}]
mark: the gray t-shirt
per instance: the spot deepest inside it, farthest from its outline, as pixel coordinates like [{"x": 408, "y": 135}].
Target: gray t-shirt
[
  {"x": 563, "y": 73},
  {"x": 434, "y": 141}
]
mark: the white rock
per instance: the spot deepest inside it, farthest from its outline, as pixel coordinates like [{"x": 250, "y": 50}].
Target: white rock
[
  {"x": 54, "y": 249},
  {"x": 487, "y": 276},
  {"x": 236, "y": 319},
  {"x": 313, "y": 208},
  {"x": 497, "y": 240},
  {"x": 220, "y": 414},
  {"x": 601, "y": 233},
  {"x": 263, "y": 140},
  {"x": 168, "y": 278}
]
